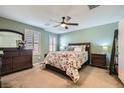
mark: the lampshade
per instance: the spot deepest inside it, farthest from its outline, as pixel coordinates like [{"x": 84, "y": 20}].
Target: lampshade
[{"x": 105, "y": 48}]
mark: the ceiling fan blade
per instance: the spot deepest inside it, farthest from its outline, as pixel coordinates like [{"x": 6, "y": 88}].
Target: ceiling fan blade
[
  {"x": 54, "y": 21},
  {"x": 67, "y": 18},
  {"x": 75, "y": 24},
  {"x": 92, "y": 6},
  {"x": 56, "y": 25}
]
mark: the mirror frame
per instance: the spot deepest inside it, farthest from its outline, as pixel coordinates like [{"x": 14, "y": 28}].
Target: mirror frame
[{"x": 12, "y": 31}]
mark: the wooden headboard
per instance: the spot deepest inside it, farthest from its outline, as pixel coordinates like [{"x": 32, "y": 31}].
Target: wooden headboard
[{"x": 88, "y": 48}]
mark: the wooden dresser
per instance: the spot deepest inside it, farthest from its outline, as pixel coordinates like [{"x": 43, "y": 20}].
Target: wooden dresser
[
  {"x": 15, "y": 60},
  {"x": 98, "y": 60},
  {"x": 0, "y": 68}
]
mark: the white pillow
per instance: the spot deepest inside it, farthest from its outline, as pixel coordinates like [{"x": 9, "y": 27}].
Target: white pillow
[
  {"x": 78, "y": 49},
  {"x": 69, "y": 48},
  {"x": 83, "y": 47}
]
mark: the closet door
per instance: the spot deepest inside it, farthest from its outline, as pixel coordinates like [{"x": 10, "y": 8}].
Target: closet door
[{"x": 121, "y": 50}]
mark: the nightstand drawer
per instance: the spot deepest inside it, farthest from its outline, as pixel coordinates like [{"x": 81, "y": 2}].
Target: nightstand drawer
[{"x": 99, "y": 60}]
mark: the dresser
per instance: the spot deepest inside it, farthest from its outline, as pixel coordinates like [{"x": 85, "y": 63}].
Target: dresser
[
  {"x": 98, "y": 60},
  {"x": 0, "y": 68},
  {"x": 1, "y": 54},
  {"x": 15, "y": 59}
]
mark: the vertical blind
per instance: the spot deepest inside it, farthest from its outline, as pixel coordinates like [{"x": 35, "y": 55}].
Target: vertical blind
[{"x": 32, "y": 39}]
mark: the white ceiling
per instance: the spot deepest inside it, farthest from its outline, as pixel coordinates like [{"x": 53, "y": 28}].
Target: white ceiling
[{"x": 42, "y": 15}]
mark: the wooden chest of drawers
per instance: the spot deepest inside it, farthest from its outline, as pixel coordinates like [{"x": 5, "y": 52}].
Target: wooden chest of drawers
[
  {"x": 15, "y": 60},
  {"x": 98, "y": 60},
  {"x": 0, "y": 68}
]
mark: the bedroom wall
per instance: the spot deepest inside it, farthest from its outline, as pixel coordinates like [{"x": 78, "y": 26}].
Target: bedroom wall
[
  {"x": 98, "y": 36},
  {"x": 20, "y": 27},
  {"x": 0, "y": 40}
]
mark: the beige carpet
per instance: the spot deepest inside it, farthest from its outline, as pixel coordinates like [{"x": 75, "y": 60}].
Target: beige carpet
[{"x": 90, "y": 77}]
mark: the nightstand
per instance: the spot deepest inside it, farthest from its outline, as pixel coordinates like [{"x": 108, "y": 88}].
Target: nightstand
[{"x": 98, "y": 60}]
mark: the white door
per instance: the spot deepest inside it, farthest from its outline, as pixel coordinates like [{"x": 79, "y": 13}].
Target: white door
[{"x": 121, "y": 50}]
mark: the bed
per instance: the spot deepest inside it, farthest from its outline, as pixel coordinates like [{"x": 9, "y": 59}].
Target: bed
[{"x": 69, "y": 62}]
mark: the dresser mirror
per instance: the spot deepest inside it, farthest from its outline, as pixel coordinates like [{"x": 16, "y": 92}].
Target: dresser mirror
[{"x": 10, "y": 38}]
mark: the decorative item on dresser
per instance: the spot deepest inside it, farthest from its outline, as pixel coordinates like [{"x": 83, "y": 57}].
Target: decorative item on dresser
[
  {"x": 15, "y": 59},
  {"x": 98, "y": 60}
]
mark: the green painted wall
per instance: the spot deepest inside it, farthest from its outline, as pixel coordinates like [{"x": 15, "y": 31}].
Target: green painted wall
[
  {"x": 20, "y": 27},
  {"x": 0, "y": 40},
  {"x": 98, "y": 36}
]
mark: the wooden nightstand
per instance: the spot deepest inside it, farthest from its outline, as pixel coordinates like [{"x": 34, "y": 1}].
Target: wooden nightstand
[{"x": 98, "y": 60}]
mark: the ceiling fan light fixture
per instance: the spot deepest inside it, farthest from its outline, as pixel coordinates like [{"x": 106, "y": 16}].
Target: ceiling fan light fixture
[
  {"x": 63, "y": 25},
  {"x": 65, "y": 22}
]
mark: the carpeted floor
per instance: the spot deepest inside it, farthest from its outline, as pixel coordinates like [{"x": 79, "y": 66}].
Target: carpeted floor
[{"x": 90, "y": 77}]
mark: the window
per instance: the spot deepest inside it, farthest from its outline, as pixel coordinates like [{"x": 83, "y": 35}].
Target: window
[
  {"x": 32, "y": 39},
  {"x": 36, "y": 44},
  {"x": 52, "y": 42}
]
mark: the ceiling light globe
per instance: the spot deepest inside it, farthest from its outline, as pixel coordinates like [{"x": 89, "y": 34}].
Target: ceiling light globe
[{"x": 63, "y": 25}]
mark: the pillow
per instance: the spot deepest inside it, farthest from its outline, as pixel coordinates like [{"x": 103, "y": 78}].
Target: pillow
[
  {"x": 69, "y": 48},
  {"x": 80, "y": 48},
  {"x": 83, "y": 47}
]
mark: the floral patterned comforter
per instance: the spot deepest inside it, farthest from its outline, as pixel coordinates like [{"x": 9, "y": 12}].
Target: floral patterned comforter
[{"x": 69, "y": 61}]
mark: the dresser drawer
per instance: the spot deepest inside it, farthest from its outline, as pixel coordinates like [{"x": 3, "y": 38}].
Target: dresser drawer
[
  {"x": 99, "y": 60},
  {"x": 10, "y": 54},
  {"x": 6, "y": 69},
  {"x": 98, "y": 63},
  {"x": 22, "y": 62},
  {"x": 25, "y": 53},
  {"x": 7, "y": 60},
  {"x": 98, "y": 56}
]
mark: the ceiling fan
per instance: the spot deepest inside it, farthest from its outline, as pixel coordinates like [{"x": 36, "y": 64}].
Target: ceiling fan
[{"x": 65, "y": 22}]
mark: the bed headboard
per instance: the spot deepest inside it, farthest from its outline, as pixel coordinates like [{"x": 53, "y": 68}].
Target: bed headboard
[
  {"x": 78, "y": 44},
  {"x": 88, "y": 48}
]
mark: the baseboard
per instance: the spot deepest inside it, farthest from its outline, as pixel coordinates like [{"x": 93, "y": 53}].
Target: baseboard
[{"x": 120, "y": 81}]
